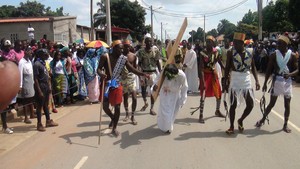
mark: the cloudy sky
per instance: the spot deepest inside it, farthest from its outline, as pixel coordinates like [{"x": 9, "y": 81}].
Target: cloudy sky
[{"x": 168, "y": 12}]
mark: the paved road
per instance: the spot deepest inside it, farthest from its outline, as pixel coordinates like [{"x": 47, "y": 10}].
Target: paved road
[{"x": 191, "y": 145}]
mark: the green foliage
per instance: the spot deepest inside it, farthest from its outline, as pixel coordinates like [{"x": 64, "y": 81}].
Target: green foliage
[
  {"x": 250, "y": 18},
  {"x": 29, "y": 9},
  {"x": 213, "y": 32},
  {"x": 294, "y": 13},
  {"x": 126, "y": 14},
  {"x": 197, "y": 35},
  {"x": 276, "y": 17},
  {"x": 227, "y": 28},
  {"x": 7, "y": 11}
]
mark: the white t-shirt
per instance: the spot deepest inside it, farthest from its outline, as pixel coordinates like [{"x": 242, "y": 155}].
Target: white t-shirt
[{"x": 30, "y": 32}]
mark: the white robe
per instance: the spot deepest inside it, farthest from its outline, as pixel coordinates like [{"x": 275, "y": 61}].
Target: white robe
[
  {"x": 191, "y": 71},
  {"x": 173, "y": 95}
]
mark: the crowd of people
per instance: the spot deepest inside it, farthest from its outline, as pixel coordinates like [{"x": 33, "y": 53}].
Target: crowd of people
[{"x": 52, "y": 75}]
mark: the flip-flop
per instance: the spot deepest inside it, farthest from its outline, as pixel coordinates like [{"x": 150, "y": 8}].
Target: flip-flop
[
  {"x": 134, "y": 122},
  {"x": 115, "y": 133},
  {"x": 286, "y": 129},
  {"x": 144, "y": 107},
  {"x": 230, "y": 131},
  {"x": 240, "y": 126},
  {"x": 259, "y": 124},
  {"x": 126, "y": 119}
]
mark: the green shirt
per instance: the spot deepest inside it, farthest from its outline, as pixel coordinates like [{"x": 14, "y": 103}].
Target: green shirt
[{"x": 148, "y": 60}]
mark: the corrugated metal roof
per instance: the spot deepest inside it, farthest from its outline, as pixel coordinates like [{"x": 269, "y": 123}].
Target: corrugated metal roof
[
  {"x": 36, "y": 19},
  {"x": 13, "y": 20}
]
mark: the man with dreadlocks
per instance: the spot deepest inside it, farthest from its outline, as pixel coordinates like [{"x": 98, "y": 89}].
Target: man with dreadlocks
[
  {"x": 173, "y": 95},
  {"x": 240, "y": 62}
]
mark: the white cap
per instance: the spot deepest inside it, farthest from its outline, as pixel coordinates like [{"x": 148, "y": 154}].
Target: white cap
[{"x": 7, "y": 43}]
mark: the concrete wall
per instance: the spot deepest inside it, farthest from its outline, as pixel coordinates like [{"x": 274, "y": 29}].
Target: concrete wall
[
  {"x": 57, "y": 29},
  {"x": 85, "y": 32},
  {"x": 63, "y": 28},
  {"x": 13, "y": 31}
]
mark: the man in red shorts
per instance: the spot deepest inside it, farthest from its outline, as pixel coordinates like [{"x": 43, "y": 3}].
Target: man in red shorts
[{"x": 113, "y": 66}]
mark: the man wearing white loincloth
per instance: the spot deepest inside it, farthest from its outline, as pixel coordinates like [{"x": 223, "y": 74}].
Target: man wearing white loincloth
[
  {"x": 279, "y": 63},
  {"x": 240, "y": 62}
]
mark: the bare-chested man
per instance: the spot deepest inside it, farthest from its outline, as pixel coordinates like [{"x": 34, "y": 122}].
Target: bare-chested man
[
  {"x": 279, "y": 63},
  {"x": 240, "y": 64},
  {"x": 113, "y": 65},
  {"x": 128, "y": 81}
]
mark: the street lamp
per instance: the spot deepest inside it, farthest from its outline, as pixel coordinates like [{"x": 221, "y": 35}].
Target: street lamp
[{"x": 151, "y": 9}]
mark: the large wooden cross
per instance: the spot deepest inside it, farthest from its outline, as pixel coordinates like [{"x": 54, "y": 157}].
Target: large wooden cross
[{"x": 170, "y": 57}]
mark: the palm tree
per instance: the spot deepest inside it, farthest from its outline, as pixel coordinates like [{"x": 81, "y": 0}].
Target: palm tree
[{"x": 99, "y": 17}]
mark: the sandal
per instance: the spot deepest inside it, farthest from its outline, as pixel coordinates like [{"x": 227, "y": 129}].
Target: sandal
[
  {"x": 240, "y": 126},
  {"x": 286, "y": 129},
  {"x": 144, "y": 107},
  {"x": 152, "y": 112},
  {"x": 115, "y": 133},
  {"x": 110, "y": 125},
  {"x": 126, "y": 118},
  {"x": 259, "y": 123},
  {"x": 230, "y": 131},
  {"x": 27, "y": 121},
  {"x": 133, "y": 122}
]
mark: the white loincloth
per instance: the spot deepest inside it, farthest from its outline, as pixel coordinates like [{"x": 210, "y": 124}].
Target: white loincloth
[
  {"x": 240, "y": 85},
  {"x": 282, "y": 86}
]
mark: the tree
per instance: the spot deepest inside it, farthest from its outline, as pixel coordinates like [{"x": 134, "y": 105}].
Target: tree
[
  {"x": 294, "y": 13},
  {"x": 250, "y": 18},
  {"x": 196, "y": 35},
  {"x": 227, "y": 28},
  {"x": 99, "y": 17},
  {"x": 29, "y": 9},
  {"x": 275, "y": 17},
  {"x": 7, "y": 11},
  {"x": 213, "y": 32},
  {"x": 126, "y": 14},
  {"x": 249, "y": 25}
]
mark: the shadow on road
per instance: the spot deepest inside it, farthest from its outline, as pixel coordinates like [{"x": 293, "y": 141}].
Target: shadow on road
[
  {"x": 257, "y": 131},
  {"x": 82, "y": 135},
  {"x": 248, "y": 132},
  {"x": 128, "y": 140}
]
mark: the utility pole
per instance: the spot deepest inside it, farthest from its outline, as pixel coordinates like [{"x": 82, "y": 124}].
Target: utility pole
[
  {"x": 165, "y": 34},
  {"x": 151, "y": 9},
  {"x": 204, "y": 32},
  {"x": 92, "y": 23},
  {"x": 259, "y": 9},
  {"x": 108, "y": 23},
  {"x": 192, "y": 37},
  {"x": 161, "y": 35}
]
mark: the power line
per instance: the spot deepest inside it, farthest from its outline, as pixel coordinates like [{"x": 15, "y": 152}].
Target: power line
[{"x": 196, "y": 14}]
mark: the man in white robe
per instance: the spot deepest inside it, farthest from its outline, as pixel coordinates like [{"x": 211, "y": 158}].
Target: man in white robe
[
  {"x": 173, "y": 95},
  {"x": 191, "y": 69}
]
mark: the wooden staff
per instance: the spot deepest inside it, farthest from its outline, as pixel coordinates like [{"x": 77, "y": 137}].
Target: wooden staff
[
  {"x": 170, "y": 58},
  {"x": 101, "y": 108}
]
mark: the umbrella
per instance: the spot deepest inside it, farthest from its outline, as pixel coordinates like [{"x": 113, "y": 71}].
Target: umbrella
[
  {"x": 97, "y": 44},
  {"x": 249, "y": 41},
  {"x": 82, "y": 41}
]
